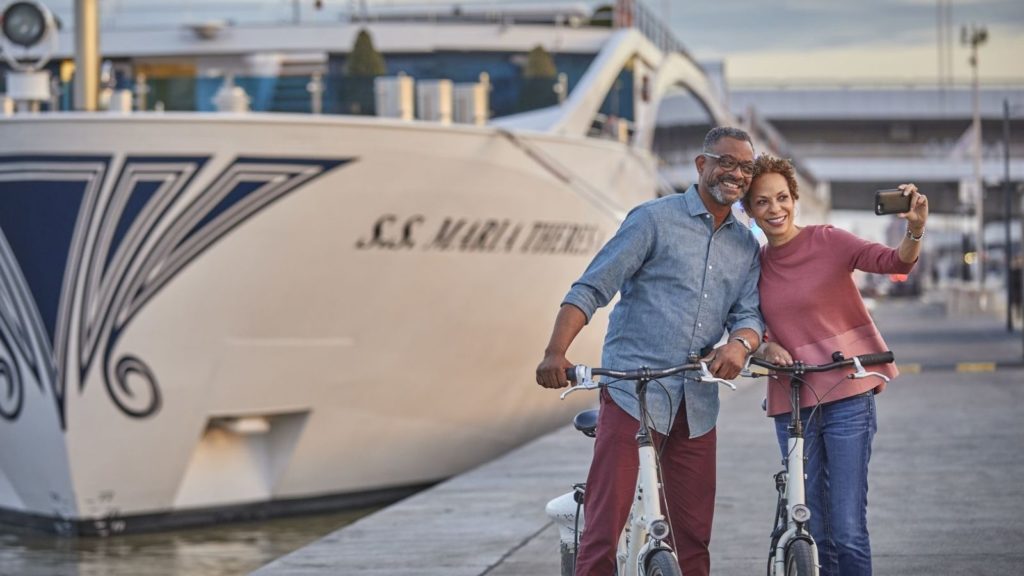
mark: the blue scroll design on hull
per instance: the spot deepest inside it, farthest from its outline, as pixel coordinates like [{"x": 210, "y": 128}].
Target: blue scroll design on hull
[{"x": 87, "y": 241}]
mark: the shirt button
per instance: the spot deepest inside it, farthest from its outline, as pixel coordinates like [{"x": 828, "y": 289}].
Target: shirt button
[
  {"x": 699, "y": 324},
  {"x": 709, "y": 266},
  {"x": 705, "y": 295}
]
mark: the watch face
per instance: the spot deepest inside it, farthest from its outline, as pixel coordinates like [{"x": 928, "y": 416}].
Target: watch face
[{"x": 23, "y": 24}]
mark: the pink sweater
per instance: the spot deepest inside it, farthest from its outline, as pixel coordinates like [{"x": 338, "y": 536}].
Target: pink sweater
[{"x": 812, "y": 307}]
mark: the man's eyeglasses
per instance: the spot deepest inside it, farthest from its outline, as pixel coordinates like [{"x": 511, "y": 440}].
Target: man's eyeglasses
[{"x": 729, "y": 163}]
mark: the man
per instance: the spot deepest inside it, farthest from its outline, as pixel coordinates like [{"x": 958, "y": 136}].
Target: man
[{"x": 686, "y": 270}]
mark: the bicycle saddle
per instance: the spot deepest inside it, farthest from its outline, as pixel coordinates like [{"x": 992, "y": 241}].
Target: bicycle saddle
[{"x": 586, "y": 422}]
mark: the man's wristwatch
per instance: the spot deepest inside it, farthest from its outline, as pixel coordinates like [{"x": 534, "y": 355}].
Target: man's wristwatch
[{"x": 743, "y": 341}]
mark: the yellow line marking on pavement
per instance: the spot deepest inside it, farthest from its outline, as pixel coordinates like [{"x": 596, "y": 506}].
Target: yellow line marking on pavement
[
  {"x": 909, "y": 368},
  {"x": 976, "y": 367}
]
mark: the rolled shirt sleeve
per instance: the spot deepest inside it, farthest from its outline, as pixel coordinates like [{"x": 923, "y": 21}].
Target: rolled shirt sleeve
[{"x": 616, "y": 262}]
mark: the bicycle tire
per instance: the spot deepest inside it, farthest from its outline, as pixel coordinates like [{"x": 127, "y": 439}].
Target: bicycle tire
[
  {"x": 663, "y": 563},
  {"x": 799, "y": 560}
]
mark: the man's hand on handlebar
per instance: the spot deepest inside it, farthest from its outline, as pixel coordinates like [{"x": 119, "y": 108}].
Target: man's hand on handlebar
[
  {"x": 551, "y": 371},
  {"x": 726, "y": 361}
]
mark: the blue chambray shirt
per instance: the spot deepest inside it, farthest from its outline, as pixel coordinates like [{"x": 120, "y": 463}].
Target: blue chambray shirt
[{"x": 683, "y": 285}]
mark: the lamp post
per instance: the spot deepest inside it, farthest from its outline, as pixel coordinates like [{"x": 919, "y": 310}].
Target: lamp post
[
  {"x": 974, "y": 37},
  {"x": 1007, "y": 205},
  {"x": 1014, "y": 277}
]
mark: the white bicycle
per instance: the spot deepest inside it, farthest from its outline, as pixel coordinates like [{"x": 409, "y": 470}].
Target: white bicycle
[
  {"x": 792, "y": 551},
  {"x": 645, "y": 545}
]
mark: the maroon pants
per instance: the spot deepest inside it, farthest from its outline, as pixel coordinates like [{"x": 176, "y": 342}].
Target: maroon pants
[{"x": 688, "y": 469}]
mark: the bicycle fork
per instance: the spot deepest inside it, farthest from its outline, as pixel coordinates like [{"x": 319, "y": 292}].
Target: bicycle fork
[
  {"x": 645, "y": 519},
  {"x": 647, "y": 528},
  {"x": 797, "y": 513}
]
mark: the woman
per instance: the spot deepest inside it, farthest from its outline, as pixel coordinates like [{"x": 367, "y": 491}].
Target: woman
[{"x": 812, "y": 308}]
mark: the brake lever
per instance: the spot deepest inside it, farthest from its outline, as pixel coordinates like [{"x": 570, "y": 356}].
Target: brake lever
[
  {"x": 860, "y": 372},
  {"x": 705, "y": 376},
  {"x": 745, "y": 371},
  {"x": 585, "y": 381},
  {"x": 591, "y": 386},
  {"x": 758, "y": 372}
]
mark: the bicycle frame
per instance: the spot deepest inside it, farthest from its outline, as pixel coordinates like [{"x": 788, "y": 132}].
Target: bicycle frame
[
  {"x": 647, "y": 530},
  {"x": 792, "y": 497},
  {"x": 792, "y": 513}
]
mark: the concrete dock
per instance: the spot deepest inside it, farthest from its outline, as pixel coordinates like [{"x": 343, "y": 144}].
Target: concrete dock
[{"x": 946, "y": 489}]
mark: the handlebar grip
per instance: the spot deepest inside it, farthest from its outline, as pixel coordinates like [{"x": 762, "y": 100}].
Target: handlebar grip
[
  {"x": 880, "y": 358},
  {"x": 570, "y": 374}
]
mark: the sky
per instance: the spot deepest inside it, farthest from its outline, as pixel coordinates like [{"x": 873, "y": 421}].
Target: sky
[
  {"x": 851, "y": 39},
  {"x": 839, "y": 40}
]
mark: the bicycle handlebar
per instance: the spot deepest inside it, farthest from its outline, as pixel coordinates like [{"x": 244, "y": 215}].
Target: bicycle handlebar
[
  {"x": 799, "y": 368},
  {"x": 886, "y": 357},
  {"x": 643, "y": 373},
  {"x": 583, "y": 375}
]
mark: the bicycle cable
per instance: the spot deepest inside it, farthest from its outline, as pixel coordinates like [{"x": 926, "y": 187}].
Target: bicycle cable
[
  {"x": 658, "y": 453},
  {"x": 651, "y": 425},
  {"x": 818, "y": 403}
]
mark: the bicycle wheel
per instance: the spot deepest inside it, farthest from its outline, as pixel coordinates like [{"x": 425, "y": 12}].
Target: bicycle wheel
[
  {"x": 799, "y": 561},
  {"x": 663, "y": 563}
]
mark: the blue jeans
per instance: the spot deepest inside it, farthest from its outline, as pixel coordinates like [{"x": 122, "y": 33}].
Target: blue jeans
[{"x": 837, "y": 448}]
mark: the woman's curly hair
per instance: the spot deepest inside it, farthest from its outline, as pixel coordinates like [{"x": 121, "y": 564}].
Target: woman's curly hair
[{"x": 768, "y": 164}]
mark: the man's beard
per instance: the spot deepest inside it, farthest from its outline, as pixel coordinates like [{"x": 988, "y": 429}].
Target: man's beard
[{"x": 720, "y": 196}]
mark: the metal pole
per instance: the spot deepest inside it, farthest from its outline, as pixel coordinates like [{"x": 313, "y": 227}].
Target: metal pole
[
  {"x": 979, "y": 183},
  {"x": 974, "y": 37},
  {"x": 1008, "y": 205},
  {"x": 940, "y": 39},
  {"x": 87, "y": 58}
]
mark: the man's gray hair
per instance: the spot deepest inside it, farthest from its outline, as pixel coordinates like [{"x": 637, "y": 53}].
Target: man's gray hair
[{"x": 719, "y": 132}]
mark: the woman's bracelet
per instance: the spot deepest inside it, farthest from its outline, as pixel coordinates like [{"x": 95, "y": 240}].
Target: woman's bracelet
[{"x": 917, "y": 238}]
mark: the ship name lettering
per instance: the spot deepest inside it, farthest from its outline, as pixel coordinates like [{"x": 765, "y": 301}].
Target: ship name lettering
[
  {"x": 389, "y": 233},
  {"x": 561, "y": 238},
  {"x": 474, "y": 235},
  {"x": 486, "y": 235},
  {"x": 447, "y": 233}
]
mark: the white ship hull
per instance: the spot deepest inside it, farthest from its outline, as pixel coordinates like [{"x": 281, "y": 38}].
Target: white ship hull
[
  {"x": 370, "y": 296},
  {"x": 206, "y": 316}
]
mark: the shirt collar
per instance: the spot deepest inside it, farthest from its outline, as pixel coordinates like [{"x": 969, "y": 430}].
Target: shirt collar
[{"x": 696, "y": 206}]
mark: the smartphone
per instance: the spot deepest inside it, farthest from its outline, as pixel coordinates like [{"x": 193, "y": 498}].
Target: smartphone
[{"x": 891, "y": 202}]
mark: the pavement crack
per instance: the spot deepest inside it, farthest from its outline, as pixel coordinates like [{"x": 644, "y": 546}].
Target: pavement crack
[{"x": 516, "y": 548}]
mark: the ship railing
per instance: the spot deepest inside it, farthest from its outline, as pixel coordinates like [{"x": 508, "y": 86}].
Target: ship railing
[
  {"x": 611, "y": 127},
  {"x": 635, "y": 14}
]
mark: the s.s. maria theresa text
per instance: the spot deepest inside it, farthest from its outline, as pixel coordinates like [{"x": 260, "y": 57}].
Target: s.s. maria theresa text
[{"x": 489, "y": 235}]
